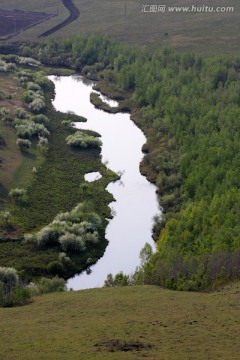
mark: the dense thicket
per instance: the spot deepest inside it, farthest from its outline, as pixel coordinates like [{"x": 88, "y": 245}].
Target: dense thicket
[{"x": 189, "y": 110}]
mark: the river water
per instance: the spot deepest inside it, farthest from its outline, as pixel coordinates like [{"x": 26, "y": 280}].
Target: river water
[{"x": 136, "y": 200}]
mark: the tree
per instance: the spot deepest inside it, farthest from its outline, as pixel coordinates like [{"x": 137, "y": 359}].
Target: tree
[
  {"x": 120, "y": 279},
  {"x": 9, "y": 280},
  {"x": 145, "y": 255}
]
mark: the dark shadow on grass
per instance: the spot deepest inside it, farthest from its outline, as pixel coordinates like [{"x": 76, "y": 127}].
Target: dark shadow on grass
[
  {"x": 29, "y": 155},
  {"x": 3, "y": 191}
]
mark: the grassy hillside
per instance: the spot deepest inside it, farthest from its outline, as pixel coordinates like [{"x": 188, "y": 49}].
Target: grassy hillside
[
  {"x": 204, "y": 32},
  {"x": 124, "y": 323}
]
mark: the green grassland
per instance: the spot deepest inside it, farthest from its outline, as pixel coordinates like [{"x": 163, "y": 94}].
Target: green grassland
[
  {"x": 124, "y": 323},
  {"x": 206, "y": 33}
]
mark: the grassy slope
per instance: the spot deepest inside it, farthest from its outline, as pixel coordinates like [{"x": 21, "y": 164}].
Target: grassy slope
[
  {"x": 88, "y": 324},
  {"x": 207, "y": 33}
]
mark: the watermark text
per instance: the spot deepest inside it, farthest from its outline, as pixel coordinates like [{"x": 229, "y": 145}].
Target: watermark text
[{"x": 187, "y": 9}]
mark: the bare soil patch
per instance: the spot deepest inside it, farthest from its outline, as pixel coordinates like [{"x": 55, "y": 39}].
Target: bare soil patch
[{"x": 117, "y": 345}]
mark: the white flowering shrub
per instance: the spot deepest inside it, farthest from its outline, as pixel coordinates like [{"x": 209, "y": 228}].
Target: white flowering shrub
[
  {"x": 21, "y": 113},
  {"x": 72, "y": 231},
  {"x": 27, "y": 129},
  {"x": 23, "y": 144},
  {"x": 5, "y": 67},
  {"x": 72, "y": 243},
  {"x": 28, "y": 61},
  {"x": 41, "y": 131},
  {"x": 82, "y": 140},
  {"x": 37, "y": 105},
  {"x": 42, "y": 143}
]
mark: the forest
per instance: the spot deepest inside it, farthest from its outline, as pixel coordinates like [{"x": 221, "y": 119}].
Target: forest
[{"x": 188, "y": 107}]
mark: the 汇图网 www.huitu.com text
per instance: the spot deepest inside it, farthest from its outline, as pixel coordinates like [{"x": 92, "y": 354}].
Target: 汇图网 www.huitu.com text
[{"x": 186, "y": 9}]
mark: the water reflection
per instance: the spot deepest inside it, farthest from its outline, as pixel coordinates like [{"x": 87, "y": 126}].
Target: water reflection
[{"x": 136, "y": 201}]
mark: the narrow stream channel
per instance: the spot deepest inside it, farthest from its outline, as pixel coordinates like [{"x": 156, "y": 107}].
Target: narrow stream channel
[{"x": 136, "y": 201}]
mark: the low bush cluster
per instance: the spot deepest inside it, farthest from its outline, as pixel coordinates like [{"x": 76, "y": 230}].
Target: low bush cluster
[
  {"x": 27, "y": 127},
  {"x": 71, "y": 231},
  {"x": 13, "y": 292},
  {"x": 46, "y": 286},
  {"x": 5, "y": 67},
  {"x": 24, "y": 76},
  {"x": 28, "y": 61},
  {"x": 83, "y": 140}
]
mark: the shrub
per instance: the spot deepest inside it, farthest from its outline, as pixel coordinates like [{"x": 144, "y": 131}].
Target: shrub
[
  {"x": 21, "y": 296},
  {"x": 40, "y": 119},
  {"x": 30, "y": 238},
  {"x": 21, "y": 113},
  {"x": 29, "y": 129},
  {"x": 41, "y": 79},
  {"x": 51, "y": 285},
  {"x": 33, "y": 86},
  {"x": 47, "y": 236},
  {"x": 55, "y": 268},
  {"x": 42, "y": 143},
  {"x": 31, "y": 95},
  {"x": 33, "y": 289},
  {"x": 41, "y": 131},
  {"x": 71, "y": 231},
  {"x": 37, "y": 105},
  {"x": 24, "y": 76},
  {"x": 18, "y": 194},
  {"x": 25, "y": 131},
  {"x": 4, "y": 67},
  {"x": 4, "y": 111},
  {"x": 8, "y": 277},
  {"x": 72, "y": 243},
  {"x": 23, "y": 144},
  {"x": 5, "y": 218},
  {"x": 82, "y": 140},
  {"x": 63, "y": 258},
  {"x": 92, "y": 237},
  {"x": 28, "y": 61}
]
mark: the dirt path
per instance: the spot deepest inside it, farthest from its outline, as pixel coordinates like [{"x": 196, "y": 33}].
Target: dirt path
[{"x": 74, "y": 14}]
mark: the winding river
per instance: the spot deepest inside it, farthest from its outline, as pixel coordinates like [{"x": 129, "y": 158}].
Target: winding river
[{"x": 136, "y": 201}]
